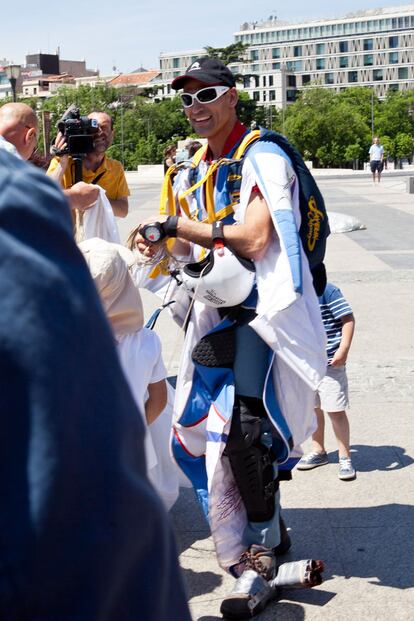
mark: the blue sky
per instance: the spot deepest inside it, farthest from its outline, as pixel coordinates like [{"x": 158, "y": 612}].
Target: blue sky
[{"x": 127, "y": 34}]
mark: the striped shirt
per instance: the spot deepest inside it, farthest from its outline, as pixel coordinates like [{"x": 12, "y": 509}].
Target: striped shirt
[{"x": 333, "y": 308}]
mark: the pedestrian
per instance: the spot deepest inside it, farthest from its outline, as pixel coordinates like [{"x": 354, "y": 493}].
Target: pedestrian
[
  {"x": 239, "y": 414},
  {"x": 81, "y": 525},
  {"x": 332, "y": 394},
  {"x": 376, "y": 158},
  {"x": 169, "y": 156},
  {"x": 193, "y": 147}
]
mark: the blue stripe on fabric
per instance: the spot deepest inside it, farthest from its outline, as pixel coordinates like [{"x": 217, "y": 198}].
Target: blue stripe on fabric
[
  {"x": 272, "y": 406},
  {"x": 214, "y": 436},
  {"x": 195, "y": 469},
  {"x": 284, "y": 217}
]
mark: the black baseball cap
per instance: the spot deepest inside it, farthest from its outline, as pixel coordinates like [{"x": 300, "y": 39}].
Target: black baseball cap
[{"x": 207, "y": 70}]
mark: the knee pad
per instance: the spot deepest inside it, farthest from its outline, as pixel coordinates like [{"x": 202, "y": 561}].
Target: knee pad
[{"x": 251, "y": 463}]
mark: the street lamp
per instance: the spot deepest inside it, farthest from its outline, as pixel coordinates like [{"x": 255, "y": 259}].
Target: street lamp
[{"x": 13, "y": 73}]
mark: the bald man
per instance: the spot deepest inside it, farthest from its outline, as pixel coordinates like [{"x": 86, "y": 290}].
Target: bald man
[
  {"x": 18, "y": 135},
  {"x": 18, "y": 129}
]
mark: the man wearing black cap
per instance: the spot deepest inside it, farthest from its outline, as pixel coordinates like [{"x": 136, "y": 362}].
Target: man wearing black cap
[{"x": 245, "y": 390}]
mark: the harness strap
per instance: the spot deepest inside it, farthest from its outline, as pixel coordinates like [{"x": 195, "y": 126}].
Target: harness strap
[{"x": 167, "y": 203}]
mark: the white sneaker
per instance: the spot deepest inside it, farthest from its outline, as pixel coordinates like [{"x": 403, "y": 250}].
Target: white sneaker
[{"x": 346, "y": 470}]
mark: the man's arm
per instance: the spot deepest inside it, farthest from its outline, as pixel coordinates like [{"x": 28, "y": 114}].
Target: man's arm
[
  {"x": 249, "y": 240},
  {"x": 120, "y": 206}
]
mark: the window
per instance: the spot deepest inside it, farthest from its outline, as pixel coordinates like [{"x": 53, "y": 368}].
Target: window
[
  {"x": 276, "y": 52},
  {"x": 264, "y": 80},
  {"x": 343, "y": 47},
  {"x": 329, "y": 78},
  {"x": 255, "y": 68},
  {"x": 275, "y": 65},
  {"x": 352, "y": 76},
  {"x": 403, "y": 73},
  {"x": 320, "y": 63},
  {"x": 294, "y": 65},
  {"x": 377, "y": 75},
  {"x": 291, "y": 80},
  {"x": 368, "y": 45},
  {"x": 393, "y": 58},
  {"x": 297, "y": 50},
  {"x": 343, "y": 62},
  {"x": 254, "y": 55},
  {"x": 393, "y": 87},
  {"x": 272, "y": 95},
  {"x": 393, "y": 41},
  {"x": 270, "y": 80},
  {"x": 320, "y": 48},
  {"x": 176, "y": 63},
  {"x": 368, "y": 60},
  {"x": 291, "y": 95},
  {"x": 256, "y": 96},
  {"x": 306, "y": 79}
]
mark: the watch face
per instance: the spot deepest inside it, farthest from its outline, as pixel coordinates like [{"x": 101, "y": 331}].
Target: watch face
[{"x": 151, "y": 233}]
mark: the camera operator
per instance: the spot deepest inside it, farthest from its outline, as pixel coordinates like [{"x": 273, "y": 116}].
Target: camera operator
[{"x": 97, "y": 168}]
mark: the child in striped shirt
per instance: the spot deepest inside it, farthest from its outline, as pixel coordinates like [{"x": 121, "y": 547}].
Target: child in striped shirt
[{"x": 332, "y": 393}]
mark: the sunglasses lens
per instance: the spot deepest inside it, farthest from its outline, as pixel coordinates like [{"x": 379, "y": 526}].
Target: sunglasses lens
[
  {"x": 207, "y": 94},
  {"x": 187, "y": 99}
]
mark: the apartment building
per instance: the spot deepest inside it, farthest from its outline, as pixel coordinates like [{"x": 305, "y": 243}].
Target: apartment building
[{"x": 373, "y": 48}]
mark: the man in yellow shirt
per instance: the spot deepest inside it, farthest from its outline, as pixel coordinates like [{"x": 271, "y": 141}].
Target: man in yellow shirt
[{"x": 97, "y": 169}]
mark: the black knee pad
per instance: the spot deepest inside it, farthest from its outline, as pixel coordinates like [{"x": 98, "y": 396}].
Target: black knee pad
[{"x": 251, "y": 463}]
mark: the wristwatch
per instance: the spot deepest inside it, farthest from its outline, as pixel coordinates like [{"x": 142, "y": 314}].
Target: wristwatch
[
  {"x": 217, "y": 232},
  {"x": 156, "y": 231},
  {"x": 153, "y": 233}
]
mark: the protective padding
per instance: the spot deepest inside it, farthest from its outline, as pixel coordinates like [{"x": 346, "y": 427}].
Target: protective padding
[
  {"x": 251, "y": 464},
  {"x": 216, "y": 349}
]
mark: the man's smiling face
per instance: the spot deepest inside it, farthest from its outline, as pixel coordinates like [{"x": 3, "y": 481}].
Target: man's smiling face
[{"x": 211, "y": 119}]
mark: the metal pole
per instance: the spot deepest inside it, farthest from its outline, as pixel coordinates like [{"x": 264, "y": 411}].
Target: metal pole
[
  {"x": 122, "y": 133},
  {"x": 13, "y": 85},
  {"x": 372, "y": 113}
]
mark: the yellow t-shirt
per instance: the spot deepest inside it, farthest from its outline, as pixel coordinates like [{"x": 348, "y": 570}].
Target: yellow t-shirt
[{"x": 110, "y": 176}]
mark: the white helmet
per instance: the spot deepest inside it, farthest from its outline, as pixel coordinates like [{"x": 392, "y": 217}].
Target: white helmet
[{"x": 221, "y": 279}]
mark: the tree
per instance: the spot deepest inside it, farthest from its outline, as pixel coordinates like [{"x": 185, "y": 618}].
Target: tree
[
  {"x": 323, "y": 124},
  {"x": 233, "y": 53}
]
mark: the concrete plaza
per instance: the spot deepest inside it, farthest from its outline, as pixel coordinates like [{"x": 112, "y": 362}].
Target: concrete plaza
[{"x": 363, "y": 529}]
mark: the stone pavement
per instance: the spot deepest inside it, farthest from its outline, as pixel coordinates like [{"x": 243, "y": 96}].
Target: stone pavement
[{"x": 363, "y": 530}]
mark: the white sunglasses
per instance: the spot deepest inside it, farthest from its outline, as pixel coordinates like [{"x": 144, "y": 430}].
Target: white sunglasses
[{"x": 204, "y": 95}]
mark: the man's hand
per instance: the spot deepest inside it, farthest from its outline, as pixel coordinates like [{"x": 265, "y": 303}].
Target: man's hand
[
  {"x": 82, "y": 195},
  {"x": 60, "y": 145}
]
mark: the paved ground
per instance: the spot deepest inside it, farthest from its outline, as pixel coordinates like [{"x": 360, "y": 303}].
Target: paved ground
[{"x": 363, "y": 529}]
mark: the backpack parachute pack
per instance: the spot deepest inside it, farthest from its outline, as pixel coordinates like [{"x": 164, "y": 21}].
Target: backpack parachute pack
[{"x": 314, "y": 228}]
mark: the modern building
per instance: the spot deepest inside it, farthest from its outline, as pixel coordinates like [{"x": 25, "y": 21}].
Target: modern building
[{"x": 373, "y": 48}]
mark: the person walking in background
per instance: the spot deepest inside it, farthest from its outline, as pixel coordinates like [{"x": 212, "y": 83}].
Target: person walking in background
[
  {"x": 376, "y": 158},
  {"x": 332, "y": 394},
  {"x": 169, "y": 156}
]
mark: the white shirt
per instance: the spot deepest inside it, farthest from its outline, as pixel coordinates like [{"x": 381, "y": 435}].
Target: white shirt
[
  {"x": 8, "y": 146},
  {"x": 376, "y": 152}
]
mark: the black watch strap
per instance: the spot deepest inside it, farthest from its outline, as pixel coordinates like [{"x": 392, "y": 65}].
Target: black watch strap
[
  {"x": 217, "y": 232},
  {"x": 170, "y": 226}
]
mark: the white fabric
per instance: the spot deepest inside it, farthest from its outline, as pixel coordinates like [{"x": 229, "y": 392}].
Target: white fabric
[
  {"x": 99, "y": 221},
  {"x": 290, "y": 323},
  {"x": 141, "y": 360},
  {"x": 9, "y": 147}
]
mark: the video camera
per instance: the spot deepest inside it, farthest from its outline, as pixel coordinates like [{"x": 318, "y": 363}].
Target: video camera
[{"x": 78, "y": 131}]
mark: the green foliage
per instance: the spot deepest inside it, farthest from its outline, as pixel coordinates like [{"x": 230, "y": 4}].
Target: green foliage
[
  {"x": 233, "y": 53},
  {"x": 332, "y": 129},
  {"x": 324, "y": 124}
]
